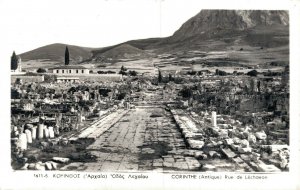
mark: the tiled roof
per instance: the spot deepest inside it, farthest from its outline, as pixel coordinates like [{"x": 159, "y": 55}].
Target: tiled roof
[{"x": 70, "y": 67}]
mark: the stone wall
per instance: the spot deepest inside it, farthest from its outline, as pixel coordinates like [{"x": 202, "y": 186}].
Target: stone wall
[
  {"x": 27, "y": 78},
  {"x": 100, "y": 78}
]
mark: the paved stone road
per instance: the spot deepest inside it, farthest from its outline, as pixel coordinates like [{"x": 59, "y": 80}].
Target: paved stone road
[{"x": 140, "y": 142}]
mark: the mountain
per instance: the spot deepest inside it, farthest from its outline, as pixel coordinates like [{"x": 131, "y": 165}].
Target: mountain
[
  {"x": 56, "y": 53},
  {"x": 209, "y": 23},
  {"x": 252, "y": 27},
  {"x": 209, "y": 30}
]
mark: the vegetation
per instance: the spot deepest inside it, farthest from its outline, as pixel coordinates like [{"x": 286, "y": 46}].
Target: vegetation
[
  {"x": 14, "y": 61},
  {"x": 252, "y": 73},
  {"x": 67, "y": 56},
  {"x": 123, "y": 70},
  {"x": 186, "y": 92},
  {"x": 50, "y": 78},
  {"x": 41, "y": 70},
  {"x": 170, "y": 77},
  {"x": 220, "y": 72},
  {"x": 191, "y": 72},
  {"x": 106, "y": 72},
  {"x": 104, "y": 92},
  {"x": 159, "y": 76},
  {"x": 132, "y": 73},
  {"x": 121, "y": 96}
]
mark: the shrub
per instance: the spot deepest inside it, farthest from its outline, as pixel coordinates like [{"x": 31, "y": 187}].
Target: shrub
[
  {"x": 252, "y": 73},
  {"x": 41, "y": 70},
  {"x": 132, "y": 73}
]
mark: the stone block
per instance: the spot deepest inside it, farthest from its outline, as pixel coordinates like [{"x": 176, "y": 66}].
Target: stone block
[
  {"x": 48, "y": 165},
  {"x": 267, "y": 168},
  {"x": 212, "y": 153},
  {"x": 25, "y": 167},
  {"x": 244, "y": 143},
  {"x": 245, "y": 150},
  {"x": 229, "y": 141},
  {"x": 60, "y": 159},
  {"x": 261, "y": 135},
  {"x": 228, "y": 153},
  {"x": 31, "y": 166},
  {"x": 39, "y": 166},
  {"x": 235, "y": 147},
  {"x": 208, "y": 167}
]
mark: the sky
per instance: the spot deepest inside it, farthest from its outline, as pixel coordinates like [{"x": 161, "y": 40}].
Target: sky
[
  {"x": 29, "y": 24},
  {"x": 91, "y": 23}
]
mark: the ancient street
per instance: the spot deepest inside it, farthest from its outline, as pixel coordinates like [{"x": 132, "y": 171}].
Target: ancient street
[{"x": 143, "y": 139}]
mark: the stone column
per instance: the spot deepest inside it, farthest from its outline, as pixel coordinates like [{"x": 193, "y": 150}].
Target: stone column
[
  {"x": 51, "y": 132},
  {"x": 28, "y": 136},
  {"x": 41, "y": 131},
  {"x": 214, "y": 119},
  {"x": 33, "y": 133}
]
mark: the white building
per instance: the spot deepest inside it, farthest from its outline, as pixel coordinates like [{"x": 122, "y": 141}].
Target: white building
[{"x": 70, "y": 70}]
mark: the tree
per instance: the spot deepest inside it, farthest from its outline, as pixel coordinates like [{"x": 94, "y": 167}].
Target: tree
[
  {"x": 41, "y": 70},
  {"x": 159, "y": 76},
  {"x": 14, "y": 61},
  {"x": 67, "y": 56},
  {"x": 122, "y": 72},
  {"x": 217, "y": 72},
  {"x": 258, "y": 86},
  {"x": 252, "y": 73},
  {"x": 121, "y": 96},
  {"x": 220, "y": 72},
  {"x": 170, "y": 77},
  {"x": 132, "y": 73},
  {"x": 123, "y": 68},
  {"x": 252, "y": 86},
  {"x": 186, "y": 92}
]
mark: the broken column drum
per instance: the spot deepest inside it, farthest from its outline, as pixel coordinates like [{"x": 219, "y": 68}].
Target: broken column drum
[{"x": 214, "y": 119}]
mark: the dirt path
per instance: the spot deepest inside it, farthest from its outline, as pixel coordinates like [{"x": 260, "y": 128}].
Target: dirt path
[{"x": 140, "y": 141}]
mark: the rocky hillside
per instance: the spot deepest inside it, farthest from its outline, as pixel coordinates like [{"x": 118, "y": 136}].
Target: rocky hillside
[{"x": 210, "y": 23}]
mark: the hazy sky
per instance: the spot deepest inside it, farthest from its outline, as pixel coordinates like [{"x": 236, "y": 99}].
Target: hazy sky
[{"x": 91, "y": 23}]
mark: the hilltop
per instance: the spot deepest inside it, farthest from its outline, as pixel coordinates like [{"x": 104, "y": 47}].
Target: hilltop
[{"x": 55, "y": 53}]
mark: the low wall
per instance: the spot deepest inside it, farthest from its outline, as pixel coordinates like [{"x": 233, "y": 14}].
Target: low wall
[
  {"x": 26, "y": 78},
  {"x": 100, "y": 77}
]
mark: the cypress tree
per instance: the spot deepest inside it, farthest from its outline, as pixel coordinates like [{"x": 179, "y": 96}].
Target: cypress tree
[
  {"x": 14, "y": 61},
  {"x": 159, "y": 77},
  {"x": 67, "y": 56},
  {"x": 170, "y": 77}
]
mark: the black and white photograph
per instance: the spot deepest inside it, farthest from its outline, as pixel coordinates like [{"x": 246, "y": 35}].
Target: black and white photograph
[{"x": 144, "y": 87}]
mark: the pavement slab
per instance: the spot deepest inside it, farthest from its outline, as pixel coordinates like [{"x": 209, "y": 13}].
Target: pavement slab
[{"x": 132, "y": 140}]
